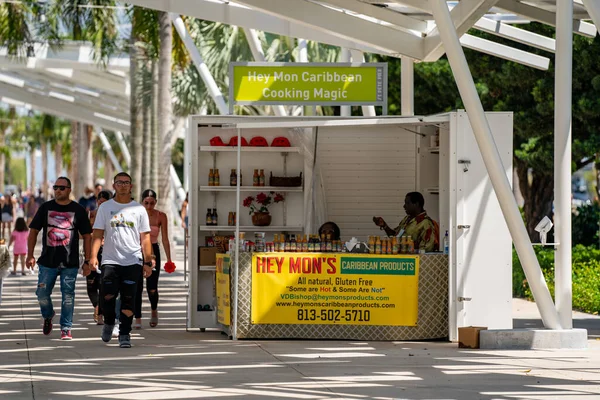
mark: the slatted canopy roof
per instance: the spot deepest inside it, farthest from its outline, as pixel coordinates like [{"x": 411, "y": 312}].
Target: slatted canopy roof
[{"x": 67, "y": 82}]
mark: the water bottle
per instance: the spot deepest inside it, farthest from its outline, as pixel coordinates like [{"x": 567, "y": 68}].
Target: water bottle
[{"x": 446, "y": 244}]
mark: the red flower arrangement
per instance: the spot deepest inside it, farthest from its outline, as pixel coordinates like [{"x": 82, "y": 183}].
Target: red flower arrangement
[
  {"x": 169, "y": 267},
  {"x": 261, "y": 202}
]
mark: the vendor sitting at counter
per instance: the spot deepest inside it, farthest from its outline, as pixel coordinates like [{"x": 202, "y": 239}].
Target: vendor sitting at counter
[{"x": 423, "y": 230}]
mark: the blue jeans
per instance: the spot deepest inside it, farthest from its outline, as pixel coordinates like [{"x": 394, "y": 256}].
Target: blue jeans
[{"x": 46, "y": 280}]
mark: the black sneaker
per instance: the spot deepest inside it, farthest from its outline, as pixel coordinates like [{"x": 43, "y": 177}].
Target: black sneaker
[
  {"x": 124, "y": 341},
  {"x": 48, "y": 324},
  {"x": 107, "y": 331}
]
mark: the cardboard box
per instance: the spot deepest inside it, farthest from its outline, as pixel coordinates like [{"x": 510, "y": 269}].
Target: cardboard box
[
  {"x": 207, "y": 255},
  {"x": 468, "y": 337}
]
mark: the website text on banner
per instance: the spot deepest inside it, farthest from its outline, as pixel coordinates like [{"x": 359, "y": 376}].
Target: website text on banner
[
  {"x": 309, "y": 288},
  {"x": 223, "y": 291},
  {"x": 309, "y": 84}
]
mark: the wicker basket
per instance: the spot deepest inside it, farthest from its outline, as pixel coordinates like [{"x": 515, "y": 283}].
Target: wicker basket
[
  {"x": 285, "y": 181},
  {"x": 261, "y": 219}
]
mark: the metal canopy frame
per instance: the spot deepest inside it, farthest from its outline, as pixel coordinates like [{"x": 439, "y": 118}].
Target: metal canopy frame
[{"x": 416, "y": 30}]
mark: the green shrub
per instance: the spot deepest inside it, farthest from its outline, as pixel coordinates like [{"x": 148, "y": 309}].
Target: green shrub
[{"x": 586, "y": 277}]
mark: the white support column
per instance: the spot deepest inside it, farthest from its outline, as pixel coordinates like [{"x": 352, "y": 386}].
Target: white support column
[
  {"x": 493, "y": 163},
  {"x": 563, "y": 78},
  {"x": 176, "y": 185},
  {"x": 593, "y": 8},
  {"x": 345, "y": 111},
  {"x": 259, "y": 55},
  {"x": 123, "y": 147},
  {"x": 207, "y": 78},
  {"x": 109, "y": 150},
  {"x": 407, "y": 86}
]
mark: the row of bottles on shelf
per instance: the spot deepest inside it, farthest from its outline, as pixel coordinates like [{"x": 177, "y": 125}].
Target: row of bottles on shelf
[
  {"x": 212, "y": 218},
  {"x": 214, "y": 179},
  {"x": 306, "y": 244},
  {"x": 402, "y": 245}
]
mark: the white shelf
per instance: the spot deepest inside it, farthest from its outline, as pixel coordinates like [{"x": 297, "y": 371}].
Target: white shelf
[
  {"x": 251, "y": 189},
  {"x": 433, "y": 150},
  {"x": 207, "y": 268},
  {"x": 251, "y": 149},
  {"x": 252, "y": 228}
]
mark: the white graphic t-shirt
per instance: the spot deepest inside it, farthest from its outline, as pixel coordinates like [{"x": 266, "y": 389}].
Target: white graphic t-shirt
[{"x": 122, "y": 225}]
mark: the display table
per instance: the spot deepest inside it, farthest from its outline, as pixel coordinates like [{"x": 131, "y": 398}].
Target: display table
[{"x": 334, "y": 296}]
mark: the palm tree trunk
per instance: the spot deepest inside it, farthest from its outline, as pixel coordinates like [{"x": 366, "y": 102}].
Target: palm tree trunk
[
  {"x": 89, "y": 151},
  {"x": 33, "y": 168},
  {"x": 82, "y": 165},
  {"x": 11, "y": 118},
  {"x": 135, "y": 141},
  {"x": 108, "y": 170},
  {"x": 44, "y": 146},
  {"x": 58, "y": 159},
  {"x": 147, "y": 151},
  {"x": 154, "y": 128},
  {"x": 73, "y": 171},
  {"x": 164, "y": 110}
]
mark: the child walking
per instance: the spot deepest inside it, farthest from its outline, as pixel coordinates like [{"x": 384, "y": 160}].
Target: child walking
[{"x": 19, "y": 238}]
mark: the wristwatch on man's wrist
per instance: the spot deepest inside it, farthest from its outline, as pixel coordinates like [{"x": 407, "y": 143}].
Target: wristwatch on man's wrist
[
  {"x": 148, "y": 263},
  {"x": 86, "y": 262}
]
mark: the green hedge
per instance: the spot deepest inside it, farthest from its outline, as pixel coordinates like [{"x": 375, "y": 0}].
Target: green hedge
[{"x": 586, "y": 277}]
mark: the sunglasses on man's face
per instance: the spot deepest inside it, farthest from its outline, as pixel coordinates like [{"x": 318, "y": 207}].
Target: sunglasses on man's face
[{"x": 60, "y": 187}]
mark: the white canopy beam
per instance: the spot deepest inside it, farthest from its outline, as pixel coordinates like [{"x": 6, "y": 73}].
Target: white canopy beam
[
  {"x": 563, "y": 82},
  {"x": 60, "y": 108},
  {"x": 545, "y": 17},
  {"x": 326, "y": 20},
  {"x": 123, "y": 147},
  {"x": 505, "y": 31},
  {"x": 407, "y": 86},
  {"x": 234, "y": 14},
  {"x": 397, "y": 19},
  {"x": 505, "y": 52},
  {"x": 109, "y": 150},
  {"x": 493, "y": 163},
  {"x": 207, "y": 78},
  {"x": 464, "y": 15},
  {"x": 593, "y": 8}
]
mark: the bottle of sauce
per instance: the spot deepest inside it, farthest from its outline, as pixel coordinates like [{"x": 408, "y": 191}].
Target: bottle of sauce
[
  {"x": 287, "y": 244},
  {"x": 293, "y": 244},
  {"x": 317, "y": 244},
  {"x": 261, "y": 178},
  {"x": 328, "y": 243},
  {"x": 276, "y": 242},
  {"x": 377, "y": 245},
  {"x": 311, "y": 244},
  {"x": 371, "y": 244},
  {"x": 208, "y": 217},
  {"x": 211, "y": 178},
  {"x": 305, "y": 244},
  {"x": 394, "y": 245},
  {"x": 255, "y": 178},
  {"x": 233, "y": 178},
  {"x": 410, "y": 245},
  {"x": 215, "y": 217},
  {"x": 403, "y": 245},
  {"x": 217, "y": 178}
]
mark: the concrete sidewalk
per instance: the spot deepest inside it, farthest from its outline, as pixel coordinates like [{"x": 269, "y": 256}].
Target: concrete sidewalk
[{"x": 167, "y": 362}]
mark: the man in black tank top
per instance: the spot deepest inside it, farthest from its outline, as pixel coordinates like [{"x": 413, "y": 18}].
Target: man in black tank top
[{"x": 9, "y": 213}]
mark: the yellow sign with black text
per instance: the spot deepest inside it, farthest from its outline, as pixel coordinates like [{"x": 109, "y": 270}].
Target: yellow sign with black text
[
  {"x": 223, "y": 290},
  {"x": 342, "y": 289}
]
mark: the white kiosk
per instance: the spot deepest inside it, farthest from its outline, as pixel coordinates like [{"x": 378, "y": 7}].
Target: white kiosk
[{"x": 364, "y": 166}]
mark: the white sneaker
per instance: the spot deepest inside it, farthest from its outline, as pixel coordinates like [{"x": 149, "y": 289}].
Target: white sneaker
[{"x": 115, "y": 332}]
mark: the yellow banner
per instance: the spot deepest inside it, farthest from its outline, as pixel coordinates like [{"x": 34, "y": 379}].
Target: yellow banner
[
  {"x": 223, "y": 291},
  {"x": 343, "y": 289},
  {"x": 319, "y": 83}
]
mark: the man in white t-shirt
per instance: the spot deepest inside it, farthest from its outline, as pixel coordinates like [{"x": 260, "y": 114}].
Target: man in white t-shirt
[{"x": 124, "y": 225}]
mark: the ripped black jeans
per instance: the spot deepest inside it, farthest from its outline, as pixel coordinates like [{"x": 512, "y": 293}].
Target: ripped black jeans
[{"x": 119, "y": 279}]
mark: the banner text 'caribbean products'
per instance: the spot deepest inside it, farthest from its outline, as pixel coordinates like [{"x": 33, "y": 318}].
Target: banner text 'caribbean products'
[
  {"x": 223, "y": 291},
  {"x": 353, "y": 289}
]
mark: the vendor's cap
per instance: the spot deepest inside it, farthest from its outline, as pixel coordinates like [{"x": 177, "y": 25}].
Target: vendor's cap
[
  {"x": 217, "y": 141},
  {"x": 233, "y": 141},
  {"x": 281, "y": 142},
  {"x": 259, "y": 141}
]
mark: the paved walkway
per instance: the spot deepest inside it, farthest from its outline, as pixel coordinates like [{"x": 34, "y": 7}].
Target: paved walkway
[{"x": 167, "y": 362}]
